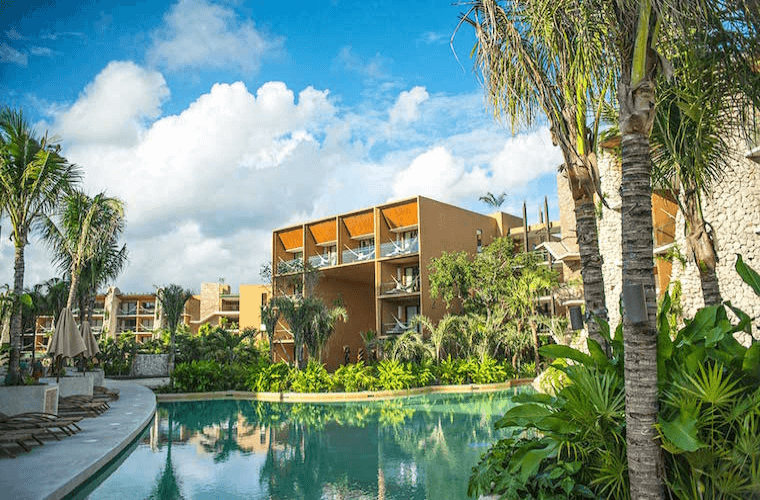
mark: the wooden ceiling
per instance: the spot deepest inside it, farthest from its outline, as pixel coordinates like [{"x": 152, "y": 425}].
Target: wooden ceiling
[
  {"x": 323, "y": 231},
  {"x": 291, "y": 238},
  {"x": 360, "y": 224},
  {"x": 401, "y": 215}
]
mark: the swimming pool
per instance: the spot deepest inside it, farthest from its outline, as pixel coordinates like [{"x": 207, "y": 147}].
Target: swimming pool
[{"x": 421, "y": 447}]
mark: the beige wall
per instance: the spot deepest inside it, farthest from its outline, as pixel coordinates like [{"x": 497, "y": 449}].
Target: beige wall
[{"x": 250, "y": 305}]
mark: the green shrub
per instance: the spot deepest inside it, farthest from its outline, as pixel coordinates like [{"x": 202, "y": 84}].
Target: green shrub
[
  {"x": 421, "y": 373},
  {"x": 354, "y": 377},
  {"x": 209, "y": 376},
  {"x": 392, "y": 375},
  {"x": 267, "y": 377},
  {"x": 450, "y": 371},
  {"x": 313, "y": 379}
]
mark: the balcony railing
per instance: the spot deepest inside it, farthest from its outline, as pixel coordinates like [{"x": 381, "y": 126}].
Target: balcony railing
[
  {"x": 358, "y": 254},
  {"x": 396, "y": 328},
  {"x": 393, "y": 248},
  {"x": 400, "y": 287},
  {"x": 323, "y": 260},
  {"x": 290, "y": 266},
  {"x": 128, "y": 311}
]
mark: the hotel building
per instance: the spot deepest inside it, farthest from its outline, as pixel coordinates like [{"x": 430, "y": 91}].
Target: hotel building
[{"x": 375, "y": 261}]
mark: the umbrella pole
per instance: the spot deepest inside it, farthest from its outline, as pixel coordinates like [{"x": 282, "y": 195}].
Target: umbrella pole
[{"x": 57, "y": 369}]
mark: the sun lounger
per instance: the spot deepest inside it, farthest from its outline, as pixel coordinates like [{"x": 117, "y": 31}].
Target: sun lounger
[
  {"x": 31, "y": 421},
  {"x": 17, "y": 438},
  {"x": 112, "y": 394},
  {"x": 81, "y": 406}
]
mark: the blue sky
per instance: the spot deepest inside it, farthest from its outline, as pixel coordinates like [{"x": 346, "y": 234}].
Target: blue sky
[{"x": 217, "y": 122}]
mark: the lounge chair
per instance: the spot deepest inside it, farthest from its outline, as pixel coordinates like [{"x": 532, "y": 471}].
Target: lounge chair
[
  {"x": 81, "y": 406},
  {"x": 17, "y": 438},
  {"x": 35, "y": 420}
]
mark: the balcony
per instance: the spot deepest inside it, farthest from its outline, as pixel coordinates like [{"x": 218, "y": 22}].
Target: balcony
[
  {"x": 318, "y": 261},
  {"x": 396, "y": 328},
  {"x": 290, "y": 266},
  {"x": 403, "y": 247},
  {"x": 402, "y": 287},
  {"x": 359, "y": 254}
]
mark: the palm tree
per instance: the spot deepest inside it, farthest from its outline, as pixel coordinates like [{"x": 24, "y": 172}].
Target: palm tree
[
  {"x": 33, "y": 178},
  {"x": 299, "y": 313},
  {"x": 172, "y": 299},
  {"x": 493, "y": 200},
  {"x": 270, "y": 315},
  {"x": 633, "y": 30},
  {"x": 106, "y": 264},
  {"x": 440, "y": 334},
  {"x": 533, "y": 61},
  {"x": 85, "y": 226},
  {"x": 692, "y": 147},
  {"x": 324, "y": 323}
]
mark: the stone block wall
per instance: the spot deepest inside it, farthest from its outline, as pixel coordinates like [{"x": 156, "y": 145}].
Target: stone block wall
[
  {"x": 733, "y": 211},
  {"x": 150, "y": 365},
  {"x": 610, "y": 236}
]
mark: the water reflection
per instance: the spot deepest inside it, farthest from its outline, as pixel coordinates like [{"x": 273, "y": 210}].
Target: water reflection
[{"x": 415, "y": 448}]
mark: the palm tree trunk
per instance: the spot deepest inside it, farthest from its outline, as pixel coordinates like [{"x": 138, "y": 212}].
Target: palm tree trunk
[
  {"x": 702, "y": 247},
  {"x": 14, "y": 371},
  {"x": 591, "y": 265},
  {"x": 644, "y": 454}
]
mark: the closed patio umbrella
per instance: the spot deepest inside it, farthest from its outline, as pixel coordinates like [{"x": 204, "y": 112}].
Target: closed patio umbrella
[
  {"x": 90, "y": 344},
  {"x": 66, "y": 341}
]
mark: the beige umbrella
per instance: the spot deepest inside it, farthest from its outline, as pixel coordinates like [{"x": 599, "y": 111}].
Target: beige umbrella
[
  {"x": 66, "y": 341},
  {"x": 90, "y": 344}
]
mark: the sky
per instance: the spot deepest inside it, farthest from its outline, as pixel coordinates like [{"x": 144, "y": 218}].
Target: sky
[{"x": 217, "y": 122}]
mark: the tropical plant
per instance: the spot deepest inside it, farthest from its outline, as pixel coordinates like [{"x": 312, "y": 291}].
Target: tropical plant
[
  {"x": 84, "y": 226},
  {"x": 323, "y": 328},
  {"x": 534, "y": 62},
  {"x": 493, "y": 200},
  {"x": 392, "y": 375},
  {"x": 270, "y": 315},
  {"x": 410, "y": 346},
  {"x": 313, "y": 379},
  {"x": 443, "y": 334},
  {"x": 172, "y": 299},
  {"x": 354, "y": 377},
  {"x": 33, "y": 178}
]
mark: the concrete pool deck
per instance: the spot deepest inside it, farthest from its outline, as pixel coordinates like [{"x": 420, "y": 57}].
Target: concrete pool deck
[{"x": 54, "y": 470}]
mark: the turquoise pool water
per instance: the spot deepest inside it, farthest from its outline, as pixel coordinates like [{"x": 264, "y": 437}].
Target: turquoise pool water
[{"x": 421, "y": 447}]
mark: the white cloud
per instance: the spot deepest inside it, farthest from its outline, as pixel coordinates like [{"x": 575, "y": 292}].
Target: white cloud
[
  {"x": 112, "y": 108},
  {"x": 200, "y": 34},
  {"x": 10, "y": 55},
  {"x": 406, "y": 108},
  {"x": 373, "y": 68}
]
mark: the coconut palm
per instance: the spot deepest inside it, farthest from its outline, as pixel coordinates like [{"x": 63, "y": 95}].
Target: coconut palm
[
  {"x": 105, "y": 265},
  {"x": 493, "y": 200},
  {"x": 534, "y": 62},
  {"x": 270, "y": 315},
  {"x": 172, "y": 299},
  {"x": 441, "y": 333},
  {"x": 33, "y": 178},
  {"x": 634, "y": 31},
  {"x": 83, "y": 226},
  {"x": 323, "y": 327}
]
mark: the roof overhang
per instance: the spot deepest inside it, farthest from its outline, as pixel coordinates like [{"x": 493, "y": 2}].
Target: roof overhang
[{"x": 559, "y": 251}]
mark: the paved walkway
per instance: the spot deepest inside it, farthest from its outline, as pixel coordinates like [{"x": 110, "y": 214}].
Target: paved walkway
[{"x": 54, "y": 470}]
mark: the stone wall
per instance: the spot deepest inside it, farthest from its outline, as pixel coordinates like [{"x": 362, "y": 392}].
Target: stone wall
[
  {"x": 610, "y": 238},
  {"x": 733, "y": 211},
  {"x": 150, "y": 365}
]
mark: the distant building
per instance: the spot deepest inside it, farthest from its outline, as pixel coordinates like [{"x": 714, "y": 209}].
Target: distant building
[
  {"x": 116, "y": 312},
  {"x": 375, "y": 262}
]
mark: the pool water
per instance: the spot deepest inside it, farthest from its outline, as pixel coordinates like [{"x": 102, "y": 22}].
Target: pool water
[{"x": 421, "y": 447}]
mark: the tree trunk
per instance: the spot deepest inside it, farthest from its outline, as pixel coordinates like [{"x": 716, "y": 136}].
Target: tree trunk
[
  {"x": 591, "y": 266},
  {"x": 644, "y": 454},
  {"x": 536, "y": 358},
  {"x": 702, "y": 247},
  {"x": 14, "y": 371}
]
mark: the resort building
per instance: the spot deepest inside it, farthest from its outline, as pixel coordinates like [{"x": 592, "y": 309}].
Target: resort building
[
  {"x": 731, "y": 208},
  {"x": 116, "y": 312},
  {"x": 375, "y": 262}
]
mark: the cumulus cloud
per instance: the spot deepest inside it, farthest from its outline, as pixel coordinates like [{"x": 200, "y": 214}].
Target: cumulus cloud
[
  {"x": 406, "y": 108},
  {"x": 200, "y": 34},
  {"x": 112, "y": 108}
]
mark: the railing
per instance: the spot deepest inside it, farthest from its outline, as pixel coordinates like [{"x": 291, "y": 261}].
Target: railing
[
  {"x": 230, "y": 307},
  {"x": 400, "y": 287},
  {"x": 358, "y": 254},
  {"x": 396, "y": 328},
  {"x": 290, "y": 266},
  {"x": 392, "y": 248},
  {"x": 128, "y": 311},
  {"x": 323, "y": 260}
]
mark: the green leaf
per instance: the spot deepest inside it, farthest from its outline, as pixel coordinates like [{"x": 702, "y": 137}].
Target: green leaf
[
  {"x": 523, "y": 415},
  {"x": 751, "y": 362},
  {"x": 597, "y": 353},
  {"x": 682, "y": 432},
  {"x": 704, "y": 320},
  {"x": 748, "y": 274},
  {"x": 745, "y": 322},
  {"x": 529, "y": 462},
  {"x": 604, "y": 328},
  {"x": 567, "y": 484},
  {"x": 563, "y": 351},
  {"x": 26, "y": 300},
  {"x": 535, "y": 397}
]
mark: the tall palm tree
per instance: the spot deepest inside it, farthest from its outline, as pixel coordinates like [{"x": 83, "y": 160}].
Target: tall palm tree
[
  {"x": 441, "y": 333},
  {"x": 633, "y": 32},
  {"x": 33, "y": 178},
  {"x": 270, "y": 315},
  {"x": 84, "y": 226},
  {"x": 533, "y": 61},
  {"x": 324, "y": 323},
  {"x": 172, "y": 299},
  {"x": 106, "y": 264}
]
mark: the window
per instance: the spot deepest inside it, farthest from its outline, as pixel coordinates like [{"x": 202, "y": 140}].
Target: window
[
  {"x": 411, "y": 312},
  {"x": 263, "y": 299},
  {"x": 128, "y": 308},
  {"x": 148, "y": 307},
  {"x": 479, "y": 235},
  {"x": 297, "y": 255},
  {"x": 411, "y": 278},
  {"x": 368, "y": 243},
  {"x": 330, "y": 254}
]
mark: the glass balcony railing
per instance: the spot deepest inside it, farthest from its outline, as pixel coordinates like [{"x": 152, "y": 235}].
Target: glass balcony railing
[
  {"x": 323, "y": 260},
  {"x": 395, "y": 248},
  {"x": 400, "y": 287},
  {"x": 290, "y": 266},
  {"x": 358, "y": 254}
]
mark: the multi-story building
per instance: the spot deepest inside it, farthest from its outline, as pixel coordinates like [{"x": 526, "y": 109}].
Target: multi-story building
[
  {"x": 375, "y": 261},
  {"x": 116, "y": 312}
]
